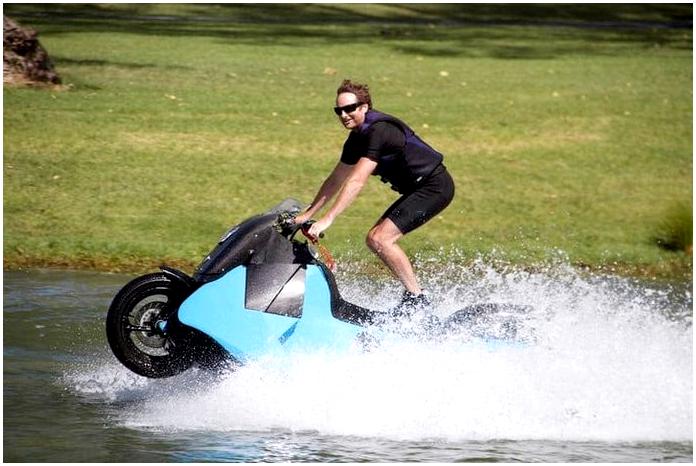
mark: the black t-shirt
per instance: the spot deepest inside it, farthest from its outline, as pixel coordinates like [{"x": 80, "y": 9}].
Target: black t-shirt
[{"x": 383, "y": 138}]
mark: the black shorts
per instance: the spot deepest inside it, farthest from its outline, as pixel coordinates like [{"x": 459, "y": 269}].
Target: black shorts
[{"x": 430, "y": 198}]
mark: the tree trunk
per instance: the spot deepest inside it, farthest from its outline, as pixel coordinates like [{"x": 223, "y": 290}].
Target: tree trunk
[{"x": 25, "y": 60}]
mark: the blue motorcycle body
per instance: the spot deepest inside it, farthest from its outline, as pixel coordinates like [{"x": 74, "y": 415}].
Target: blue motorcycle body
[
  {"x": 260, "y": 291},
  {"x": 222, "y": 310}
]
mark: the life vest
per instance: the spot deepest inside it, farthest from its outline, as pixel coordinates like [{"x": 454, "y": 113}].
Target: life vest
[{"x": 405, "y": 169}]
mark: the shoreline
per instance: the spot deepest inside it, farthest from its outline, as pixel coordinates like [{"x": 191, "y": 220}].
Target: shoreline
[{"x": 677, "y": 270}]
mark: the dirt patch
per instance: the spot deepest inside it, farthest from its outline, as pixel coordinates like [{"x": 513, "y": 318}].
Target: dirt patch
[
  {"x": 541, "y": 138},
  {"x": 186, "y": 142}
]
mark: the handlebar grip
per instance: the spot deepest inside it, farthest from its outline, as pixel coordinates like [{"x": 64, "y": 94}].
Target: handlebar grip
[{"x": 305, "y": 230}]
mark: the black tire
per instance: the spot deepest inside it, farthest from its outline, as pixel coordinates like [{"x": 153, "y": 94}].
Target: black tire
[{"x": 132, "y": 331}]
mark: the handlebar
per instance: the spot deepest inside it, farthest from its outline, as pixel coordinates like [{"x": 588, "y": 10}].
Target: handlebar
[
  {"x": 287, "y": 221},
  {"x": 305, "y": 231}
]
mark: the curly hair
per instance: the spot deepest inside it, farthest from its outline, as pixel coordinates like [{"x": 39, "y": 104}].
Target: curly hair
[{"x": 361, "y": 91}]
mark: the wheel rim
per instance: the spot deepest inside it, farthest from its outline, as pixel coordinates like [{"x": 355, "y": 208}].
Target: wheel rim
[{"x": 141, "y": 323}]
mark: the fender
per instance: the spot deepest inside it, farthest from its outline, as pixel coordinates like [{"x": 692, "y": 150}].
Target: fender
[{"x": 181, "y": 278}]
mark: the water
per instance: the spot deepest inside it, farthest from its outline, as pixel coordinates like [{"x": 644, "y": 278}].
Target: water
[{"x": 609, "y": 379}]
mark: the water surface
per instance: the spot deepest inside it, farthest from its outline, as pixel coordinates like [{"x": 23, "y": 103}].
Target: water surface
[{"x": 609, "y": 379}]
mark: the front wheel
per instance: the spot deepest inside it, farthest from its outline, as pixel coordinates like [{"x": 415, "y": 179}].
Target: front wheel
[{"x": 142, "y": 330}]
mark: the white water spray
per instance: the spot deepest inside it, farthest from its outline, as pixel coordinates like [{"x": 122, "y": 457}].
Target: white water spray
[{"x": 612, "y": 361}]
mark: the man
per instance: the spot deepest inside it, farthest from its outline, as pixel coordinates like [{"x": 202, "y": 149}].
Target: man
[{"x": 380, "y": 144}]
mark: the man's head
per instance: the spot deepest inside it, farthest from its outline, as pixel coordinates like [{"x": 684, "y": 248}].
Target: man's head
[{"x": 352, "y": 103}]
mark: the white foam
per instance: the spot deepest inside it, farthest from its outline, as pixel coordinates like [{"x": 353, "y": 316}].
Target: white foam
[{"x": 608, "y": 364}]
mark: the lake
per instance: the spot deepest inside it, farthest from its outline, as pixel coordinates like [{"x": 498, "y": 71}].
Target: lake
[{"x": 607, "y": 379}]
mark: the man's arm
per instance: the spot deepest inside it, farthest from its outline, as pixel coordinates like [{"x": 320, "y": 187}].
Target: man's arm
[
  {"x": 327, "y": 191},
  {"x": 354, "y": 183}
]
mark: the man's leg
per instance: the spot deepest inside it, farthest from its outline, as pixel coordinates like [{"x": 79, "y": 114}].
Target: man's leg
[{"x": 381, "y": 239}]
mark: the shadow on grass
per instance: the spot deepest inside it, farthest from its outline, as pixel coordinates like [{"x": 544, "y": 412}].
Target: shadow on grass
[
  {"x": 457, "y": 30},
  {"x": 92, "y": 62}
]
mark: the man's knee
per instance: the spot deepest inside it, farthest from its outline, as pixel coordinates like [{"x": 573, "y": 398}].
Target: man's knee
[
  {"x": 377, "y": 239},
  {"x": 373, "y": 241}
]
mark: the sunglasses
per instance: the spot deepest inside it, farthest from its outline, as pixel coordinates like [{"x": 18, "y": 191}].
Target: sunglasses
[{"x": 347, "y": 108}]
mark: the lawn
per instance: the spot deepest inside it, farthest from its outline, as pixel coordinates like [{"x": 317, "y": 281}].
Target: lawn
[{"x": 568, "y": 129}]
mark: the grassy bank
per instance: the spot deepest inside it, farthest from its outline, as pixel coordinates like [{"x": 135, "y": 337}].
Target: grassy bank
[{"x": 179, "y": 120}]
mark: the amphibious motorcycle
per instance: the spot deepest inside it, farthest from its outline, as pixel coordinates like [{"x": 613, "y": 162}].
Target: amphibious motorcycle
[{"x": 260, "y": 290}]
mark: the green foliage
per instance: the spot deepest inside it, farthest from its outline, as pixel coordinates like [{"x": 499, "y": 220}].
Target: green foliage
[
  {"x": 676, "y": 231},
  {"x": 180, "y": 120}
]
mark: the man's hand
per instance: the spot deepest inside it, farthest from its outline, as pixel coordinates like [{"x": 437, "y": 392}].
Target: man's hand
[
  {"x": 302, "y": 218},
  {"x": 319, "y": 226}
]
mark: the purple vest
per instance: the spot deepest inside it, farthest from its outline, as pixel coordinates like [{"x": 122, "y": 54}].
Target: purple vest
[{"x": 406, "y": 169}]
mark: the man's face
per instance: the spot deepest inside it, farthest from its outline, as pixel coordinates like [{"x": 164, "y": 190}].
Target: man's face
[{"x": 354, "y": 115}]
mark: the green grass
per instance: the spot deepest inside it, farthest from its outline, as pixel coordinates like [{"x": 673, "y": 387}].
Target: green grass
[{"x": 180, "y": 120}]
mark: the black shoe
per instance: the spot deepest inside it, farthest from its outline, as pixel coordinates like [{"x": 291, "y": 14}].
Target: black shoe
[{"x": 410, "y": 304}]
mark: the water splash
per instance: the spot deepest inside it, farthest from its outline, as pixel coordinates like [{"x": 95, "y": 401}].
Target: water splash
[{"x": 612, "y": 360}]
